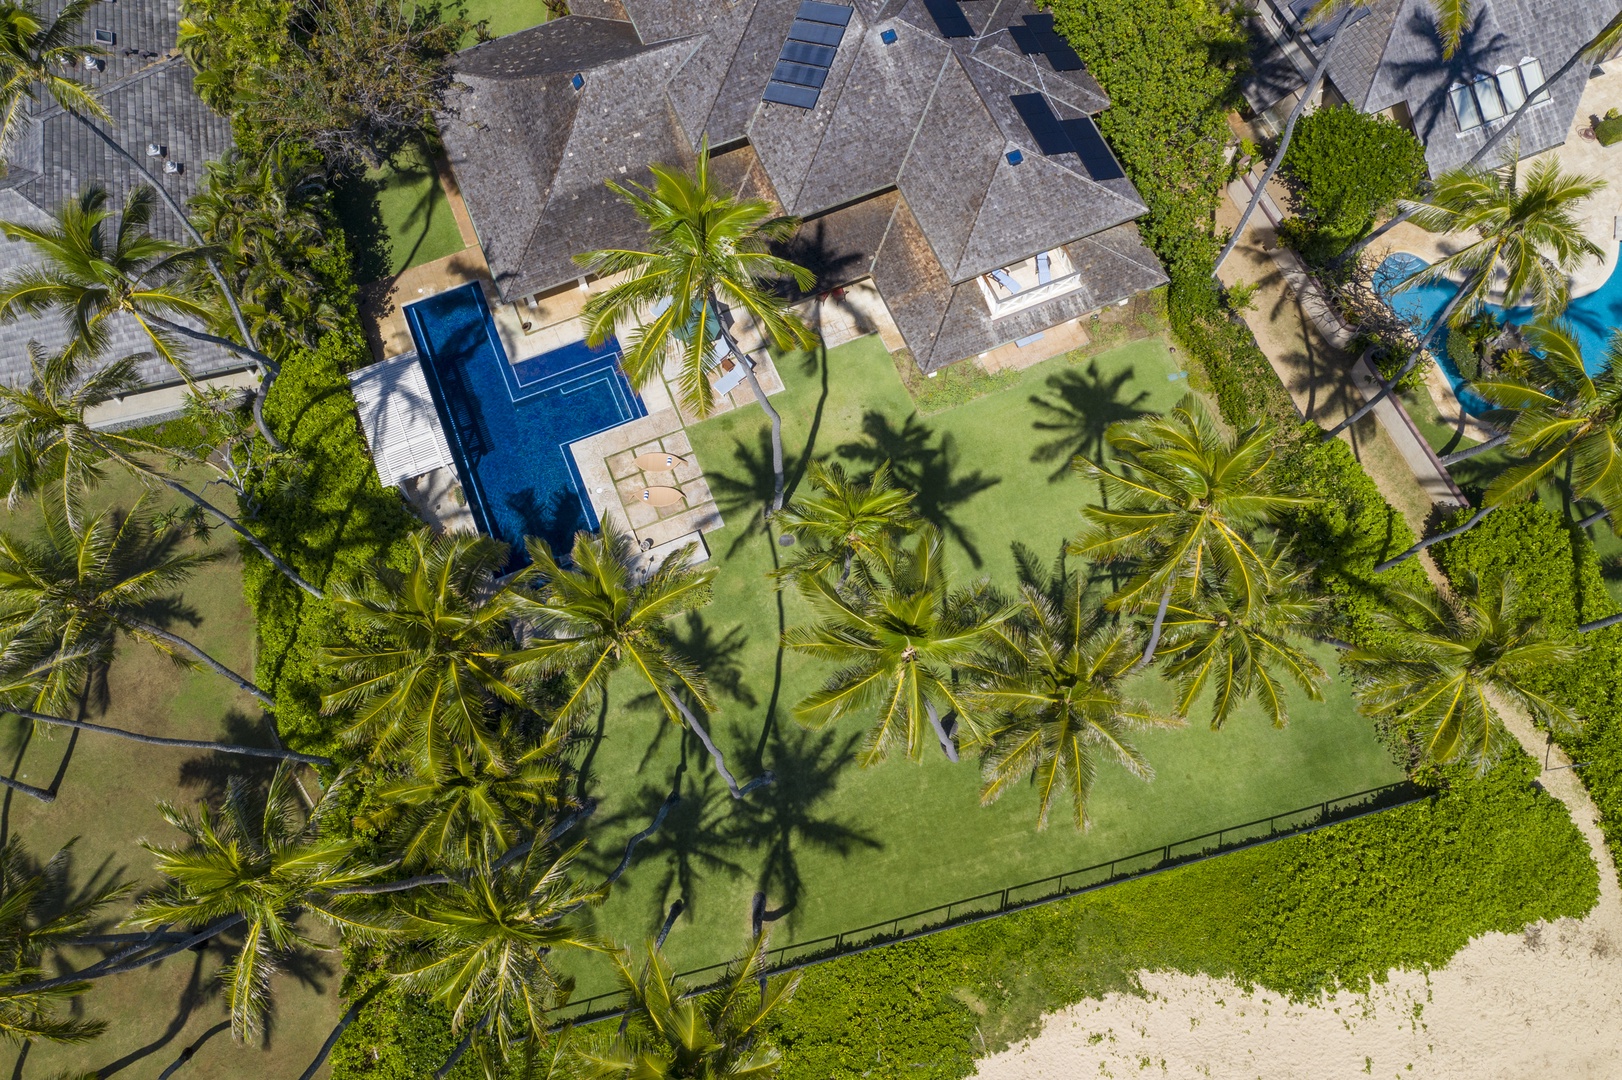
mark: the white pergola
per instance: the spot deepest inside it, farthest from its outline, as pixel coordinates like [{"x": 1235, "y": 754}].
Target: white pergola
[{"x": 399, "y": 420}]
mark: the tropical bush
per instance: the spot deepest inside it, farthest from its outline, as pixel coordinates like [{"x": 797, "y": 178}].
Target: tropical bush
[{"x": 1345, "y": 167}]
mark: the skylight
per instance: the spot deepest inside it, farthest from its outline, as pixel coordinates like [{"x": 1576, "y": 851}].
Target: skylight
[{"x": 808, "y": 54}]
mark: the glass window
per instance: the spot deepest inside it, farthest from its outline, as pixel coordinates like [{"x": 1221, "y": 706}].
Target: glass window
[
  {"x": 1532, "y": 73},
  {"x": 1464, "y": 103},
  {"x": 1492, "y": 106},
  {"x": 1509, "y": 85}
]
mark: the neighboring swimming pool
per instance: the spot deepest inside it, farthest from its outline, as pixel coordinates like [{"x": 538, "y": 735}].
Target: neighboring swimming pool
[
  {"x": 1594, "y": 317},
  {"x": 510, "y": 425}
]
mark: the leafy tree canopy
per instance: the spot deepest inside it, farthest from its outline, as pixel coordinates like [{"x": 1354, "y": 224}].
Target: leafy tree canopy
[{"x": 1344, "y": 167}]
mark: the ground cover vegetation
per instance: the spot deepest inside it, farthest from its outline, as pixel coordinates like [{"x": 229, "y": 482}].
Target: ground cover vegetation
[{"x": 458, "y": 765}]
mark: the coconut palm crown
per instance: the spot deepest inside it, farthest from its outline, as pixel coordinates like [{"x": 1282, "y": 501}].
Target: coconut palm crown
[
  {"x": 844, "y": 523},
  {"x": 1445, "y": 663},
  {"x": 1562, "y": 416},
  {"x": 1050, "y": 695},
  {"x": 1529, "y": 238}
]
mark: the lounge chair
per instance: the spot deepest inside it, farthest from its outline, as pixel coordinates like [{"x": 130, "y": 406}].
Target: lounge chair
[
  {"x": 1044, "y": 269},
  {"x": 1006, "y": 280}
]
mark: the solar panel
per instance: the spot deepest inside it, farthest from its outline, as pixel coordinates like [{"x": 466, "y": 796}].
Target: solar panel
[
  {"x": 1038, "y": 35},
  {"x": 1051, "y": 137},
  {"x": 808, "y": 54},
  {"x": 1094, "y": 152},
  {"x": 949, "y": 18}
]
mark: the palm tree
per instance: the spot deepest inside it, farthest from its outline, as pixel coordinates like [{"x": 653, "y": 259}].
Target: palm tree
[
  {"x": 1180, "y": 506},
  {"x": 845, "y": 523},
  {"x": 71, "y": 591},
  {"x": 258, "y": 214},
  {"x": 428, "y": 660},
  {"x": 1530, "y": 241},
  {"x": 484, "y": 946},
  {"x": 672, "y": 1034},
  {"x": 88, "y": 275},
  {"x": 1562, "y": 416},
  {"x": 44, "y": 436},
  {"x": 258, "y": 863},
  {"x": 36, "y": 59},
  {"x": 1443, "y": 665},
  {"x": 595, "y": 617},
  {"x": 1053, "y": 691},
  {"x": 1242, "y": 642},
  {"x": 474, "y": 809},
  {"x": 34, "y": 918},
  {"x": 1591, "y": 52},
  {"x": 898, "y": 644},
  {"x": 709, "y": 255}
]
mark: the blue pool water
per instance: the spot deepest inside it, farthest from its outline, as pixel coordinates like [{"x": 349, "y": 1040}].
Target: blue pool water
[
  {"x": 1594, "y": 317},
  {"x": 510, "y": 425}
]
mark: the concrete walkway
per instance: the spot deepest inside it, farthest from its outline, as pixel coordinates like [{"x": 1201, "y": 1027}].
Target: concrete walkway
[{"x": 1326, "y": 384}]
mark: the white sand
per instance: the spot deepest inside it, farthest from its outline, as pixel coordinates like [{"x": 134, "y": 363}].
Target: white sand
[{"x": 1544, "y": 1005}]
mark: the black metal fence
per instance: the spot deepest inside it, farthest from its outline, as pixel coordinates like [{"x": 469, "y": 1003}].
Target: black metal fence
[{"x": 1041, "y": 891}]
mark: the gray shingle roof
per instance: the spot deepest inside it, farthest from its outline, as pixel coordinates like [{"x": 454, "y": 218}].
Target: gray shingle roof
[
  {"x": 1394, "y": 56},
  {"x": 932, "y": 118},
  {"x": 147, "y": 90}
]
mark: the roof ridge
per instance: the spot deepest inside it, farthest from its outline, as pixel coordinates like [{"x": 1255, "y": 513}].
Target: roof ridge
[{"x": 117, "y": 84}]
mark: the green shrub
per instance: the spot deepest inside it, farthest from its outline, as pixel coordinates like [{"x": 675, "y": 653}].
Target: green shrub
[
  {"x": 1609, "y": 130},
  {"x": 329, "y": 519},
  {"x": 1558, "y": 575},
  {"x": 1336, "y": 908},
  {"x": 1344, "y": 167}
]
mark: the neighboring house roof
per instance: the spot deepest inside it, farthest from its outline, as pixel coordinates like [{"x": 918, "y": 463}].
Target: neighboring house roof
[
  {"x": 1394, "y": 56},
  {"x": 930, "y": 116},
  {"x": 146, "y": 87}
]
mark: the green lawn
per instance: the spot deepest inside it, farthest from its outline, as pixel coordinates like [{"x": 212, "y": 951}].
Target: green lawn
[
  {"x": 108, "y": 797},
  {"x": 503, "y": 17},
  {"x": 397, "y": 217},
  {"x": 840, "y": 846}
]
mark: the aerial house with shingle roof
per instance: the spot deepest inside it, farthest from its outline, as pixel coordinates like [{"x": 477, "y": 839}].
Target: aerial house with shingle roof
[{"x": 945, "y": 151}]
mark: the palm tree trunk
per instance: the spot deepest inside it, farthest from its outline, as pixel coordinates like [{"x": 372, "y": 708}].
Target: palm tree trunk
[
  {"x": 630, "y": 845},
  {"x": 1154, "y": 630},
  {"x": 940, "y": 731},
  {"x": 1419, "y": 350},
  {"x": 1599, "y": 624},
  {"x": 1284, "y": 144},
  {"x": 715, "y": 754},
  {"x": 208, "y": 259},
  {"x": 226, "y": 519},
  {"x": 1486, "y": 147},
  {"x": 1596, "y": 516},
  {"x": 212, "y": 339},
  {"x": 1480, "y": 448},
  {"x": 157, "y": 740},
  {"x": 119, "y": 963},
  {"x": 178, "y": 642},
  {"x": 760, "y": 397},
  {"x": 349, "y": 1017},
  {"x": 28, "y": 789},
  {"x": 1475, "y": 519}
]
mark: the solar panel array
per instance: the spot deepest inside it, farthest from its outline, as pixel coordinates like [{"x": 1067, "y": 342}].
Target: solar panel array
[{"x": 803, "y": 65}]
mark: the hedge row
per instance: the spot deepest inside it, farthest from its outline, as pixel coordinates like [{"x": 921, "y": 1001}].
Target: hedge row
[{"x": 1337, "y": 908}]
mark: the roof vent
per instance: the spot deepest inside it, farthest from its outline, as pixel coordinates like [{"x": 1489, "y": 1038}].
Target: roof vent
[
  {"x": 887, "y": 36},
  {"x": 1015, "y": 157},
  {"x": 94, "y": 63},
  {"x": 155, "y": 150},
  {"x": 173, "y": 167},
  {"x": 578, "y": 82}
]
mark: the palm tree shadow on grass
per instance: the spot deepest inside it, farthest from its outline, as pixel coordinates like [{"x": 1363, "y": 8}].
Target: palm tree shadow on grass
[
  {"x": 783, "y": 819},
  {"x": 1080, "y": 407},
  {"x": 209, "y": 774},
  {"x": 927, "y": 463},
  {"x": 718, "y": 656}
]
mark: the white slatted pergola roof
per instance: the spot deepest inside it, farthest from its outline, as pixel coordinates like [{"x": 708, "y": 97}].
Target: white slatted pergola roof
[{"x": 399, "y": 419}]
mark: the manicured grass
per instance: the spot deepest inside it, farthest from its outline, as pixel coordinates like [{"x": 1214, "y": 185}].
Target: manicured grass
[
  {"x": 503, "y": 17},
  {"x": 108, "y": 798},
  {"x": 397, "y": 217},
  {"x": 839, "y": 846}
]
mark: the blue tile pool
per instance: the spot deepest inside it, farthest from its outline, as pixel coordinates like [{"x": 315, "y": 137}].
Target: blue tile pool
[
  {"x": 1594, "y": 317},
  {"x": 510, "y": 425}
]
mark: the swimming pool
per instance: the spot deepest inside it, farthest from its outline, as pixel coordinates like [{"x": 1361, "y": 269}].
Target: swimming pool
[
  {"x": 510, "y": 425},
  {"x": 1594, "y": 317}
]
